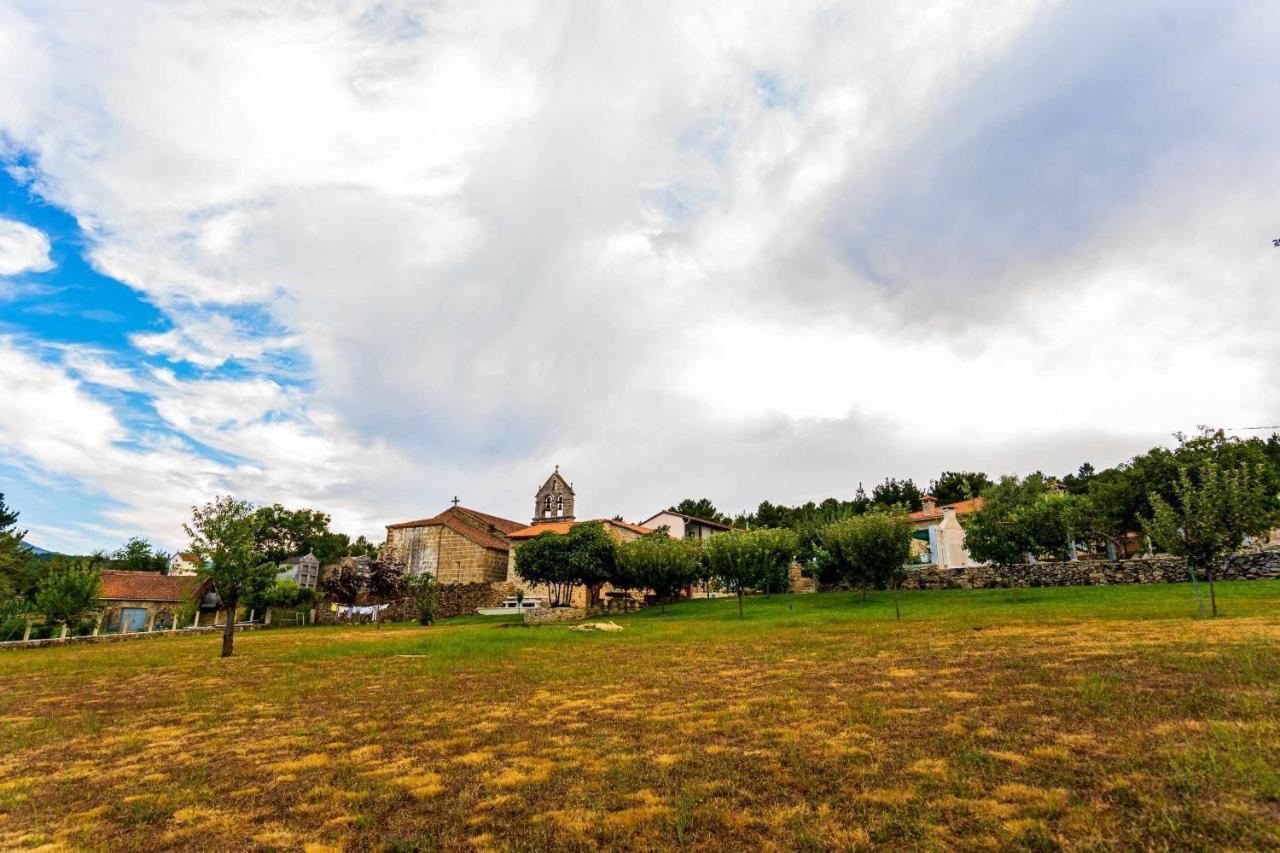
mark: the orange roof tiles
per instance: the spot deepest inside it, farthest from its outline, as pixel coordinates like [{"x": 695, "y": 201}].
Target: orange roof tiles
[
  {"x": 147, "y": 586},
  {"x": 966, "y": 507},
  {"x": 564, "y": 527},
  {"x": 450, "y": 518}
]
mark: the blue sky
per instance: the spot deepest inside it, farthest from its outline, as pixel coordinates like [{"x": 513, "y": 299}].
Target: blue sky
[{"x": 365, "y": 258}]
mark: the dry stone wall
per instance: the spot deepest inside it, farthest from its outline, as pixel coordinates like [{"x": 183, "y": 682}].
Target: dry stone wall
[
  {"x": 1253, "y": 566},
  {"x": 542, "y": 615}
]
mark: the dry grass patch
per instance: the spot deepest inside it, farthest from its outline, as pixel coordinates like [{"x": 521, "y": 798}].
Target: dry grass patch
[{"x": 818, "y": 722}]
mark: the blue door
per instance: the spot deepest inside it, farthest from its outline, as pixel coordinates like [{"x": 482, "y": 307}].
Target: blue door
[{"x": 133, "y": 619}]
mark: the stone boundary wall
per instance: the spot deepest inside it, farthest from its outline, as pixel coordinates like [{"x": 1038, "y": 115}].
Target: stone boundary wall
[
  {"x": 544, "y": 615},
  {"x": 1253, "y": 566},
  {"x": 15, "y": 645},
  {"x": 452, "y": 599},
  {"x": 464, "y": 599}
]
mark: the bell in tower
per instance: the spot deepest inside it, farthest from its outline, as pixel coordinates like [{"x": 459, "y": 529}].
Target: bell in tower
[{"x": 554, "y": 501}]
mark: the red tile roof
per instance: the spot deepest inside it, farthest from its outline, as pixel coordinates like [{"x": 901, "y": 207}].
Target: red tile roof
[
  {"x": 967, "y": 507},
  {"x": 147, "y": 586},
  {"x": 452, "y": 519},
  {"x": 506, "y": 525},
  {"x": 564, "y": 527},
  {"x": 485, "y": 540}
]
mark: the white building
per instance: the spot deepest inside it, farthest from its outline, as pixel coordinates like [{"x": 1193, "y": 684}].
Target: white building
[
  {"x": 681, "y": 526},
  {"x": 184, "y": 564}
]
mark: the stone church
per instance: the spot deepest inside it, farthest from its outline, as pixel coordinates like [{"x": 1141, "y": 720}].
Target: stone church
[{"x": 459, "y": 545}]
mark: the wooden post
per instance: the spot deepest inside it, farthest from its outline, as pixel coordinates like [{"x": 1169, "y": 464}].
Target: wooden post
[
  {"x": 26, "y": 634},
  {"x": 196, "y": 622},
  {"x": 98, "y": 625}
]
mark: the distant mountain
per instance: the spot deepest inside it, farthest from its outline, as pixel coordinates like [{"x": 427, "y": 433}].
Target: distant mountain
[{"x": 38, "y": 551}]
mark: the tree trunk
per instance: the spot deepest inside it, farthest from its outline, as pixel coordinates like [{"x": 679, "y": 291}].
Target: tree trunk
[
  {"x": 1213, "y": 601},
  {"x": 229, "y": 630}
]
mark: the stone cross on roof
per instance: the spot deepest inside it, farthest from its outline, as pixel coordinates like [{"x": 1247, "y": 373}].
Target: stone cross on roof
[{"x": 455, "y": 500}]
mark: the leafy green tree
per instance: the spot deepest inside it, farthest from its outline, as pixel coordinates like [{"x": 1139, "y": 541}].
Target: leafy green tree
[
  {"x": 1214, "y": 511},
  {"x": 665, "y": 565},
  {"x": 17, "y": 568},
  {"x": 138, "y": 555},
  {"x": 893, "y": 492},
  {"x": 423, "y": 589},
  {"x": 993, "y": 534},
  {"x": 870, "y": 550},
  {"x": 287, "y": 594},
  {"x": 700, "y": 508},
  {"x": 280, "y": 533},
  {"x": 953, "y": 486},
  {"x": 1050, "y": 524},
  {"x": 544, "y": 561},
  {"x": 223, "y": 537},
  {"x": 66, "y": 594},
  {"x": 592, "y": 555},
  {"x": 749, "y": 559}
]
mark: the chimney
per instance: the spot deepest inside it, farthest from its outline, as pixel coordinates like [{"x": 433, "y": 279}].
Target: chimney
[{"x": 929, "y": 502}]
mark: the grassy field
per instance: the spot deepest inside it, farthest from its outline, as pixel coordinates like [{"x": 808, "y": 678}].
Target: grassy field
[{"x": 1076, "y": 718}]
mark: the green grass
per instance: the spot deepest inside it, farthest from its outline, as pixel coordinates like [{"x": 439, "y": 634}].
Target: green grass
[{"x": 1035, "y": 719}]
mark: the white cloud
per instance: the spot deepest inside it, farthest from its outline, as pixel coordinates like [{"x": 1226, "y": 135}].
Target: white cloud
[
  {"x": 753, "y": 250},
  {"x": 23, "y": 248}
]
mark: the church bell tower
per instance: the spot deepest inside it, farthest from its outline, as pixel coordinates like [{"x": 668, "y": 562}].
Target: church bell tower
[{"x": 554, "y": 501}]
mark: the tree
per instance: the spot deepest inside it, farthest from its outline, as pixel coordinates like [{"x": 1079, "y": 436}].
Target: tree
[
  {"x": 870, "y": 550},
  {"x": 138, "y": 555},
  {"x": 585, "y": 556},
  {"x": 17, "y": 571},
  {"x": 423, "y": 589},
  {"x": 223, "y": 538},
  {"x": 700, "y": 508},
  {"x": 749, "y": 559},
  {"x": 544, "y": 560},
  {"x": 992, "y": 534},
  {"x": 659, "y": 563},
  {"x": 592, "y": 556},
  {"x": 1214, "y": 511},
  {"x": 287, "y": 594},
  {"x": 954, "y": 486},
  {"x": 281, "y": 533},
  {"x": 343, "y": 585},
  {"x": 384, "y": 582},
  {"x": 66, "y": 594},
  {"x": 893, "y": 492}
]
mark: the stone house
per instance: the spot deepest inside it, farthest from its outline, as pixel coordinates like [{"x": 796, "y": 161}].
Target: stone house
[
  {"x": 681, "y": 526},
  {"x": 459, "y": 545},
  {"x": 304, "y": 570},
  {"x": 938, "y": 537},
  {"x": 145, "y": 601}
]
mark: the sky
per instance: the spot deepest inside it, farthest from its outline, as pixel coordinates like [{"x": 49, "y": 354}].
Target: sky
[{"x": 365, "y": 257}]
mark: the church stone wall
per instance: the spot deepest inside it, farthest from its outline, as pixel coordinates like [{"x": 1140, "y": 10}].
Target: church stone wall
[{"x": 450, "y": 557}]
